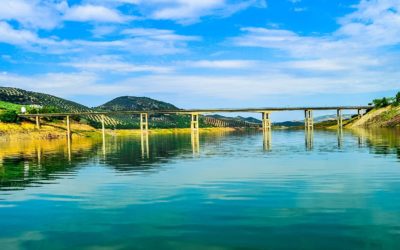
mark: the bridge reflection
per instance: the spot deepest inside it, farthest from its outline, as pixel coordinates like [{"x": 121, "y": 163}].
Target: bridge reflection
[
  {"x": 195, "y": 139},
  {"x": 309, "y": 138},
  {"x": 196, "y": 113},
  {"x": 144, "y": 143},
  {"x": 340, "y": 137},
  {"x": 267, "y": 139},
  {"x": 28, "y": 162}
]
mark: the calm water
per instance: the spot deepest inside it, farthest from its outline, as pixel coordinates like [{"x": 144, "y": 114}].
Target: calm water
[{"x": 225, "y": 191}]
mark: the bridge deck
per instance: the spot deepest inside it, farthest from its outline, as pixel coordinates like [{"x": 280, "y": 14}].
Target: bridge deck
[{"x": 202, "y": 111}]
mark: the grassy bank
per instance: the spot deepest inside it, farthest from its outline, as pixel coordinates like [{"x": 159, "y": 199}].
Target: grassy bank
[
  {"x": 53, "y": 130},
  {"x": 379, "y": 117},
  {"x": 57, "y": 130}
]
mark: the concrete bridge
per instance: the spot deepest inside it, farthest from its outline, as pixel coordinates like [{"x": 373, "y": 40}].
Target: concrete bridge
[{"x": 194, "y": 113}]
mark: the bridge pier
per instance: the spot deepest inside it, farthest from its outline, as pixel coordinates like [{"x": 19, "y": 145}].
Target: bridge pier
[
  {"x": 339, "y": 118},
  {"x": 359, "y": 113},
  {"x": 309, "y": 120},
  {"x": 37, "y": 122},
  {"x": 309, "y": 139},
  {"x": 267, "y": 138},
  {"x": 266, "y": 121},
  {"x": 144, "y": 122},
  {"x": 340, "y": 137},
  {"x": 194, "y": 124},
  {"x": 103, "y": 128},
  {"x": 144, "y": 143},
  {"x": 68, "y": 128},
  {"x": 195, "y": 142}
]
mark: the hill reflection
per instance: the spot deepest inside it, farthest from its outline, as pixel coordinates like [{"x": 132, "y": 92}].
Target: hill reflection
[{"x": 37, "y": 162}]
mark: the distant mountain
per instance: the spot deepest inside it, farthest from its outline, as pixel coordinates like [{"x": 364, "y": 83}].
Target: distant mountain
[
  {"x": 249, "y": 119},
  {"x": 238, "y": 121},
  {"x": 135, "y": 103},
  {"x": 318, "y": 119},
  {"x": 288, "y": 124},
  {"x": 325, "y": 118}
]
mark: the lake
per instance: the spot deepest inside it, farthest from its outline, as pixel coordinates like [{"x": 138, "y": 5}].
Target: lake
[{"x": 233, "y": 190}]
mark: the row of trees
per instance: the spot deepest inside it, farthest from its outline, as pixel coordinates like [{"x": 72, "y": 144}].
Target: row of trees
[
  {"x": 11, "y": 116},
  {"x": 386, "y": 101}
]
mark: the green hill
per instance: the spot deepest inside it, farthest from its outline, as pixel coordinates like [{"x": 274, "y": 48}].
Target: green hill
[
  {"x": 125, "y": 103},
  {"x": 9, "y": 106},
  {"x": 14, "y": 99},
  {"x": 20, "y": 97},
  {"x": 23, "y": 97},
  {"x": 237, "y": 121}
]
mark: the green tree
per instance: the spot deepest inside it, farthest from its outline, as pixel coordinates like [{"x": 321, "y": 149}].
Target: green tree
[
  {"x": 397, "y": 99},
  {"x": 381, "y": 103},
  {"x": 9, "y": 116}
]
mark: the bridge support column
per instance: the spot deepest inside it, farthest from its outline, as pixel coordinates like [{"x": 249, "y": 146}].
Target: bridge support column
[
  {"x": 144, "y": 122},
  {"x": 144, "y": 139},
  {"x": 359, "y": 113},
  {"x": 309, "y": 138},
  {"x": 68, "y": 128},
  {"x": 267, "y": 138},
  {"x": 37, "y": 122},
  {"x": 195, "y": 142},
  {"x": 103, "y": 128},
  {"x": 266, "y": 121},
  {"x": 308, "y": 120},
  {"x": 194, "y": 124},
  {"x": 339, "y": 118}
]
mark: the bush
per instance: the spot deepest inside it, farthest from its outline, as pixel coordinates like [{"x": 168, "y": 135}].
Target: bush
[
  {"x": 43, "y": 110},
  {"x": 397, "y": 99},
  {"x": 381, "y": 103},
  {"x": 9, "y": 116}
]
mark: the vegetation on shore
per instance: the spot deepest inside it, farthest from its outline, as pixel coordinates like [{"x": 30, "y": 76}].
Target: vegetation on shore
[
  {"x": 386, "y": 113},
  {"x": 387, "y": 101},
  {"x": 43, "y": 103}
]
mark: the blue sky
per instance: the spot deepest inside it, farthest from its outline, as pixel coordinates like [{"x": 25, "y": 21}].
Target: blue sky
[{"x": 203, "y": 53}]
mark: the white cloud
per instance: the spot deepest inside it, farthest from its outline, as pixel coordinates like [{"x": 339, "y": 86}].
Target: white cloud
[
  {"x": 221, "y": 64},
  {"x": 103, "y": 30},
  {"x": 96, "y": 13},
  {"x": 51, "y": 13},
  {"x": 274, "y": 81},
  {"x": 158, "y": 34},
  {"x": 185, "y": 11},
  {"x": 33, "y": 13},
  {"x": 358, "y": 52},
  {"x": 23, "y": 38},
  {"x": 190, "y": 11},
  {"x": 374, "y": 24},
  {"x": 356, "y": 58},
  {"x": 60, "y": 84},
  {"x": 300, "y": 9},
  {"x": 135, "y": 41},
  {"x": 113, "y": 64}
]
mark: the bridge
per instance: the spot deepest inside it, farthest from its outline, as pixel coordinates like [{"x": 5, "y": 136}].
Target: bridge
[{"x": 194, "y": 113}]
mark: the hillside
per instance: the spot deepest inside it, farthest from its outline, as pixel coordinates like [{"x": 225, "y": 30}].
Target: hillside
[
  {"x": 9, "y": 106},
  {"x": 380, "y": 117},
  {"x": 14, "y": 97},
  {"x": 124, "y": 103},
  {"x": 23, "y": 97},
  {"x": 319, "y": 121}
]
